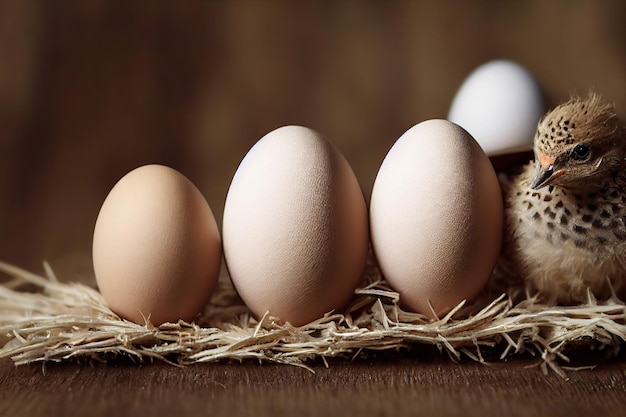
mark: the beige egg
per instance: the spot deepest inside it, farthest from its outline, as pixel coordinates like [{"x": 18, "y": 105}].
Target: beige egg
[
  {"x": 436, "y": 217},
  {"x": 156, "y": 247},
  {"x": 295, "y": 227}
]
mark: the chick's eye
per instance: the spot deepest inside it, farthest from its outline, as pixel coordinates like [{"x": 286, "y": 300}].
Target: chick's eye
[{"x": 580, "y": 152}]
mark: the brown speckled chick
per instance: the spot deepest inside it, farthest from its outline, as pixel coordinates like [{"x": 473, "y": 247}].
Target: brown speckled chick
[{"x": 566, "y": 212}]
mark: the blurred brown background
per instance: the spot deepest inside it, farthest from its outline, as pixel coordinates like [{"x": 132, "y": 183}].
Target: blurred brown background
[{"x": 92, "y": 89}]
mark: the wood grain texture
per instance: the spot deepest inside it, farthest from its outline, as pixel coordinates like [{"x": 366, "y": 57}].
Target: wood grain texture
[{"x": 385, "y": 385}]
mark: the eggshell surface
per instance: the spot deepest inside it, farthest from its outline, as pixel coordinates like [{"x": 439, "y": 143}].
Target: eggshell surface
[
  {"x": 436, "y": 217},
  {"x": 499, "y": 104},
  {"x": 156, "y": 247},
  {"x": 295, "y": 227}
]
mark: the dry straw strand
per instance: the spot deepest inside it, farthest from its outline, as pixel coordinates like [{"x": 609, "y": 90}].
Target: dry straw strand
[{"x": 59, "y": 321}]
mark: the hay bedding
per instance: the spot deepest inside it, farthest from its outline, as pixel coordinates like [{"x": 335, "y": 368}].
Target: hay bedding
[{"x": 42, "y": 319}]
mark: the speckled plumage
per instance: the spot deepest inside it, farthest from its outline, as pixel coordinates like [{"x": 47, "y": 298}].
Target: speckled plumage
[{"x": 566, "y": 211}]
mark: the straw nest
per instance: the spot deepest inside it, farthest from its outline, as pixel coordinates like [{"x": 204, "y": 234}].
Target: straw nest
[{"x": 42, "y": 319}]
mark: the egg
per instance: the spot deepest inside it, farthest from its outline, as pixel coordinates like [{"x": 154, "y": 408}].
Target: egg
[
  {"x": 499, "y": 104},
  {"x": 156, "y": 247},
  {"x": 436, "y": 217},
  {"x": 295, "y": 227}
]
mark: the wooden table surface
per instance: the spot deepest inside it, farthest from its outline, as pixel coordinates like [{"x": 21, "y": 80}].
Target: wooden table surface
[{"x": 389, "y": 384}]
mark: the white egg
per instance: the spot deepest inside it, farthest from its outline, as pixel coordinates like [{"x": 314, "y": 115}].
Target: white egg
[
  {"x": 499, "y": 104},
  {"x": 295, "y": 227},
  {"x": 436, "y": 217}
]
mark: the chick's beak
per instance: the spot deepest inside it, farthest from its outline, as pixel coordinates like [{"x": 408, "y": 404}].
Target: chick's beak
[
  {"x": 542, "y": 175},
  {"x": 544, "y": 172}
]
